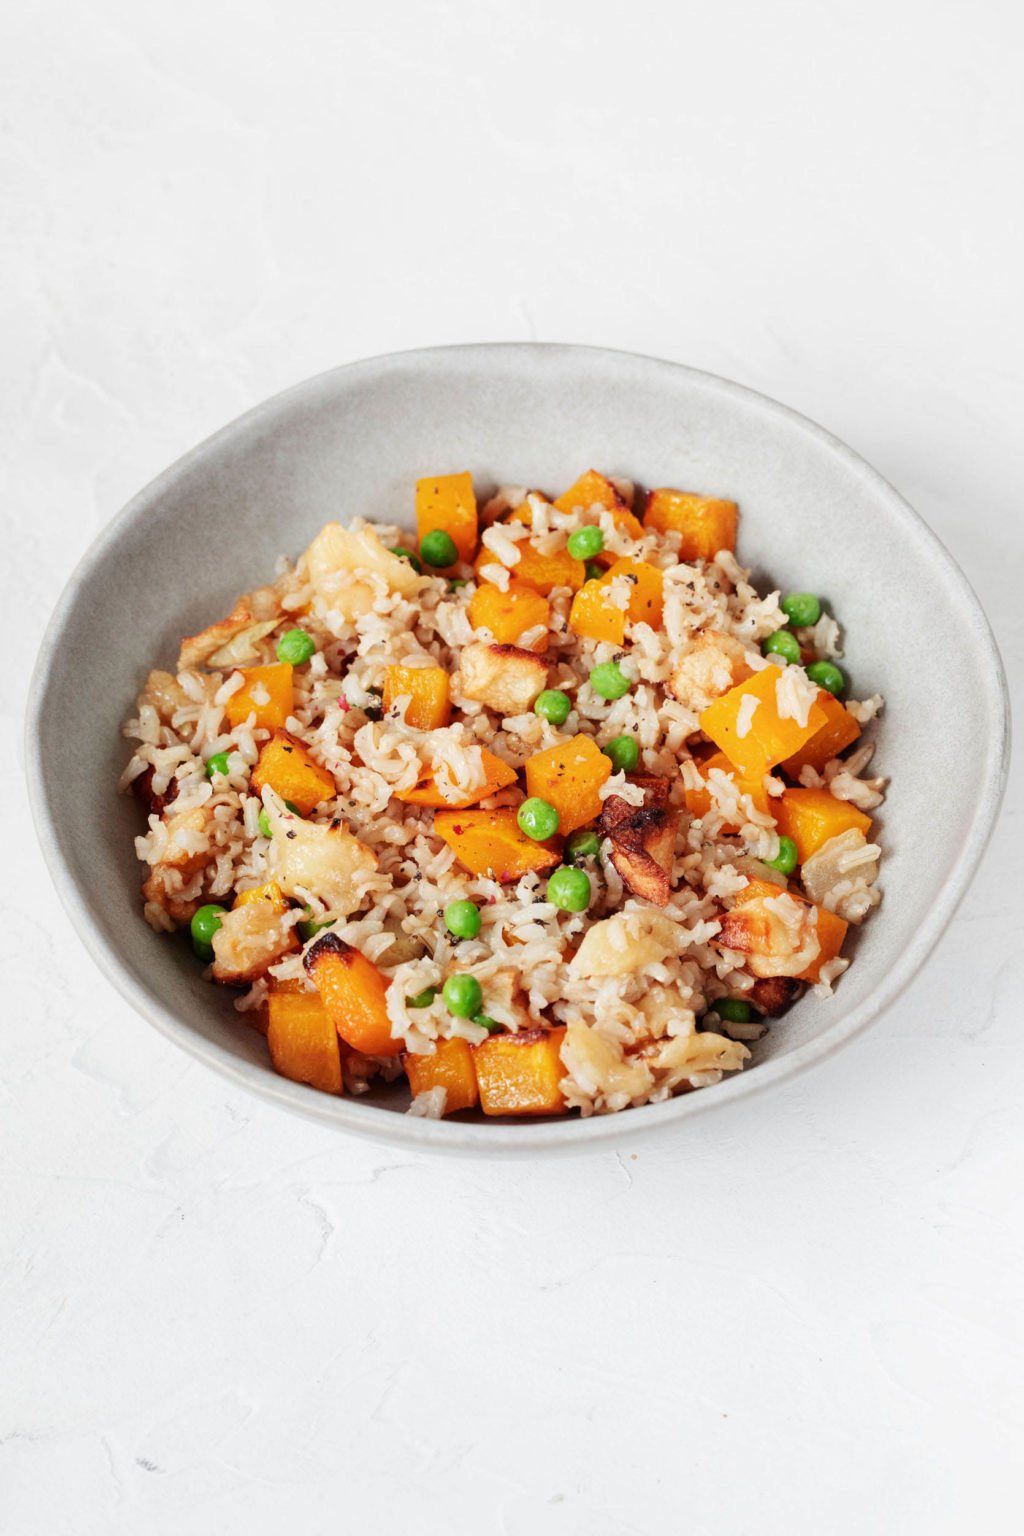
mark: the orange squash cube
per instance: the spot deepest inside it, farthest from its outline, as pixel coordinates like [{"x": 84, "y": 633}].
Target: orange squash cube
[
  {"x": 286, "y": 767},
  {"x": 448, "y": 503},
  {"x": 270, "y": 892},
  {"x": 840, "y": 731},
  {"x": 755, "y": 742},
  {"x": 303, "y": 1040},
  {"x": 520, "y": 1074},
  {"x": 428, "y": 688},
  {"x": 546, "y": 572},
  {"x": 265, "y": 693},
  {"x": 698, "y": 801},
  {"x": 646, "y": 602},
  {"x": 812, "y": 816},
  {"x": 354, "y": 994},
  {"x": 706, "y": 523},
  {"x": 831, "y": 933},
  {"x": 510, "y": 614},
  {"x": 450, "y": 1068},
  {"x": 490, "y": 843},
  {"x": 425, "y": 791},
  {"x": 592, "y": 617},
  {"x": 569, "y": 777}
]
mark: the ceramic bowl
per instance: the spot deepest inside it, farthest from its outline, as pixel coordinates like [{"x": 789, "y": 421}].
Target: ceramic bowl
[{"x": 814, "y": 516}]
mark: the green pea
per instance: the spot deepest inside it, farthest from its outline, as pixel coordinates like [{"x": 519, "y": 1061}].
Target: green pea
[
  {"x": 407, "y": 554},
  {"x": 218, "y": 763},
  {"x": 585, "y": 543},
  {"x": 485, "y": 1023},
  {"x": 624, "y": 753},
  {"x": 569, "y": 889},
  {"x": 609, "y": 681},
  {"x": 265, "y": 828},
  {"x": 462, "y": 996},
  {"x": 296, "y": 646},
  {"x": 422, "y": 999},
  {"x": 583, "y": 845},
  {"x": 553, "y": 705},
  {"x": 827, "y": 676},
  {"x": 537, "y": 819},
  {"x": 438, "y": 548},
  {"x": 593, "y": 570},
  {"x": 205, "y": 924},
  {"x": 783, "y": 644},
  {"x": 801, "y": 609},
  {"x": 462, "y": 918},
  {"x": 734, "y": 1010},
  {"x": 787, "y": 858}
]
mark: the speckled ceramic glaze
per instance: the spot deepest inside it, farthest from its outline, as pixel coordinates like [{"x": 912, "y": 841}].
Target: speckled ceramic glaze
[{"x": 814, "y": 516}]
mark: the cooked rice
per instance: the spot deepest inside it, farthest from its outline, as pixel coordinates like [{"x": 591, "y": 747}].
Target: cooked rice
[{"x": 637, "y": 1000}]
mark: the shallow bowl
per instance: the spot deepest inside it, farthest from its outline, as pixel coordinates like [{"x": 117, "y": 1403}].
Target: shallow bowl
[{"x": 814, "y": 516}]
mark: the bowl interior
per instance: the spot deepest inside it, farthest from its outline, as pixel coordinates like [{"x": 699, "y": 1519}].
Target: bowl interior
[{"x": 813, "y": 516}]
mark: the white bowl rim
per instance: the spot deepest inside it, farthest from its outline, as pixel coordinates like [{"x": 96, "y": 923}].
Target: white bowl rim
[{"x": 571, "y": 1134}]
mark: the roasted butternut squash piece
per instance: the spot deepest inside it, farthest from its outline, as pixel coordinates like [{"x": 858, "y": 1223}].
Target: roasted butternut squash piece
[
  {"x": 840, "y": 731},
  {"x": 812, "y": 816},
  {"x": 546, "y": 572},
  {"x": 596, "y": 490},
  {"x": 448, "y": 503},
  {"x": 593, "y": 617},
  {"x": 450, "y": 1068},
  {"x": 569, "y": 777},
  {"x": 706, "y": 523},
  {"x": 271, "y": 892},
  {"x": 425, "y": 791},
  {"x": 354, "y": 993},
  {"x": 265, "y": 693},
  {"x": 646, "y": 601},
  {"x": 429, "y": 691},
  {"x": 831, "y": 933},
  {"x": 490, "y": 843},
  {"x": 746, "y": 724},
  {"x": 520, "y": 1074},
  {"x": 698, "y": 801},
  {"x": 303, "y": 1040},
  {"x": 510, "y": 614},
  {"x": 287, "y": 767}
]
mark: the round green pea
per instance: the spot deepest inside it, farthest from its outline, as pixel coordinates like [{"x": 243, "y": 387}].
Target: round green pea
[
  {"x": 462, "y": 918},
  {"x": 437, "y": 548},
  {"x": 609, "y": 681},
  {"x": 218, "y": 763},
  {"x": 583, "y": 845},
  {"x": 422, "y": 999},
  {"x": 537, "y": 819},
  {"x": 485, "y": 1023},
  {"x": 407, "y": 554},
  {"x": 569, "y": 889},
  {"x": 593, "y": 570},
  {"x": 827, "y": 676},
  {"x": 787, "y": 858},
  {"x": 296, "y": 646},
  {"x": 734, "y": 1010},
  {"x": 205, "y": 924},
  {"x": 801, "y": 609},
  {"x": 585, "y": 543},
  {"x": 624, "y": 753},
  {"x": 783, "y": 644},
  {"x": 462, "y": 996},
  {"x": 265, "y": 828},
  {"x": 553, "y": 705}
]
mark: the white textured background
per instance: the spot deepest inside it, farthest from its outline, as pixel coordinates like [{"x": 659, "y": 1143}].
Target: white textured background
[{"x": 801, "y": 1317}]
